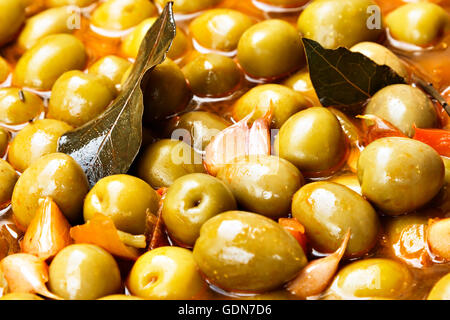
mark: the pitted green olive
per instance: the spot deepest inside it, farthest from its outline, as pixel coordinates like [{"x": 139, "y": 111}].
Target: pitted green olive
[
  {"x": 111, "y": 67},
  {"x": 8, "y": 178},
  {"x": 19, "y": 106},
  {"x": 12, "y": 15},
  {"x": 301, "y": 82}
]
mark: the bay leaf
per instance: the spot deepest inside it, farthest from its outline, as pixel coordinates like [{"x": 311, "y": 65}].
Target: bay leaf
[
  {"x": 345, "y": 79},
  {"x": 109, "y": 144}
]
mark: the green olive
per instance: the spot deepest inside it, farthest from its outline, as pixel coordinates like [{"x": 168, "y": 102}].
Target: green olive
[
  {"x": 270, "y": 49},
  {"x": 338, "y": 23},
  {"x": 12, "y": 15},
  {"x": 243, "y": 251},
  {"x": 19, "y": 106},
  {"x": 418, "y": 23},
  {"x": 441, "y": 290},
  {"x": 79, "y": 97},
  {"x": 312, "y": 140},
  {"x": 372, "y": 279},
  {"x": 4, "y": 141},
  {"x": 188, "y": 6},
  {"x": 167, "y": 160},
  {"x": 111, "y": 67},
  {"x": 220, "y": 29},
  {"x": 47, "y": 60},
  {"x": 131, "y": 44},
  {"x": 54, "y": 175},
  {"x": 166, "y": 273},
  {"x": 8, "y": 179},
  {"x": 190, "y": 201},
  {"x": 403, "y": 106},
  {"x": 328, "y": 210},
  {"x": 382, "y": 56},
  {"x": 394, "y": 171},
  {"x": 166, "y": 92},
  {"x": 120, "y": 297},
  {"x": 286, "y": 3},
  {"x": 263, "y": 184},
  {"x": 48, "y": 22},
  {"x": 301, "y": 82},
  {"x": 349, "y": 180},
  {"x": 212, "y": 75},
  {"x": 122, "y": 14},
  {"x": 35, "y": 140},
  {"x": 20, "y": 296},
  {"x": 60, "y": 3},
  {"x": 83, "y": 272},
  {"x": 282, "y": 101},
  {"x": 125, "y": 199},
  {"x": 198, "y": 127},
  {"x": 5, "y": 70}
]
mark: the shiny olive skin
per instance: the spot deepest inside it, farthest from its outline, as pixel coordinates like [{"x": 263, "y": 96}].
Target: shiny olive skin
[
  {"x": 12, "y": 15},
  {"x": 393, "y": 172},
  {"x": 167, "y": 160},
  {"x": 57, "y": 176},
  {"x": 286, "y": 3},
  {"x": 131, "y": 44},
  {"x": 47, "y": 60},
  {"x": 190, "y": 201},
  {"x": 48, "y": 22},
  {"x": 372, "y": 279},
  {"x": 188, "y": 6},
  {"x": 246, "y": 252},
  {"x": 110, "y": 67},
  {"x": 327, "y": 210},
  {"x": 338, "y": 23},
  {"x": 8, "y": 178},
  {"x": 301, "y": 82},
  {"x": 20, "y": 296},
  {"x": 166, "y": 273},
  {"x": 5, "y": 70},
  {"x": 382, "y": 56},
  {"x": 220, "y": 29},
  {"x": 418, "y": 23},
  {"x": 79, "y": 97},
  {"x": 166, "y": 92},
  {"x": 198, "y": 127},
  {"x": 120, "y": 297},
  {"x": 349, "y": 180},
  {"x": 122, "y": 14},
  {"x": 262, "y": 184},
  {"x": 403, "y": 106},
  {"x": 35, "y": 140},
  {"x": 312, "y": 140},
  {"x": 212, "y": 75},
  {"x": 270, "y": 49},
  {"x": 19, "y": 106},
  {"x": 4, "y": 140},
  {"x": 83, "y": 272},
  {"x": 282, "y": 101},
  {"x": 123, "y": 198},
  {"x": 78, "y": 3},
  {"x": 441, "y": 290}
]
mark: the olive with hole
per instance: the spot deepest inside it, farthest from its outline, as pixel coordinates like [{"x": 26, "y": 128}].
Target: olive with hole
[
  {"x": 340, "y": 23},
  {"x": 83, "y": 272},
  {"x": 198, "y": 127},
  {"x": 35, "y": 140},
  {"x": 79, "y": 97},
  {"x": 270, "y": 49},
  {"x": 122, "y": 14},
  {"x": 123, "y": 198},
  {"x": 57, "y": 176},
  {"x": 132, "y": 42},
  {"x": 167, "y": 160},
  {"x": 78, "y": 3},
  {"x": 8, "y": 179},
  {"x": 111, "y": 67},
  {"x": 403, "y": 106},
  {"x": 19, "y": 106},
  {"x": 20, "y": 296},
  {"x": 5, "y": 70},
  {"x": 371, "y": 279},
  {"x": 220, "y": 29},
  {"x": 312, "y": 140},
  {"x": 328, "y": 210},
  {"x": 393, "y": 172},
  {"x": 166, "y": 92},
  {"x": 246, "y": 252},
  {"x": 189, "y": 6},
  {"x": 418, "y": 23},
  {"x": 190, "y": 201},
  {"x": 4, "y": 141},
  {"x": 212, "y": 75},
  {"x": 441, "y": 290},
  {"x": 262, "y": 184},
  {"x": 12, "y": 16},
  {"x": 279, "y": 101},
  {"x": 47, "y": 60},
  {"x": 166, "y": 273}
]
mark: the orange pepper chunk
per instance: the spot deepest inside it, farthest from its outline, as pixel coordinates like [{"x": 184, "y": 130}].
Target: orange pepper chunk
[
  {"x": 295, "y": 228},
  {"x": 438, "y": 139}
]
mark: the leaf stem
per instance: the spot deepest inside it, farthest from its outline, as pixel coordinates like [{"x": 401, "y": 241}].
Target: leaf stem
[{"x": 431, "y": 90}]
